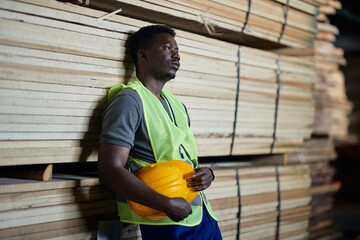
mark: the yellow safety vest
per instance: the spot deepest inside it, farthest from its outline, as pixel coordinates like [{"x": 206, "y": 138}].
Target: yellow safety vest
[{"x": 173, "y": 141}]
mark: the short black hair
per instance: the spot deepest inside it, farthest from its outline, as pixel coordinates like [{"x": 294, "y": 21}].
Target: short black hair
[{"x": 143, "y": 37}]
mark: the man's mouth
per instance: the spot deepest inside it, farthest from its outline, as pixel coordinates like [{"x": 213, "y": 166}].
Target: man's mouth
[{"x": 175, "y": 64}]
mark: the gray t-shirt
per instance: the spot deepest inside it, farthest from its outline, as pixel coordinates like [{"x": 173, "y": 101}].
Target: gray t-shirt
[{"x": 123, "y": 124}]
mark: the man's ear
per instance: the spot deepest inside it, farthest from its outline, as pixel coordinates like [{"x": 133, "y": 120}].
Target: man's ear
[{"x": 142, "y": 55}]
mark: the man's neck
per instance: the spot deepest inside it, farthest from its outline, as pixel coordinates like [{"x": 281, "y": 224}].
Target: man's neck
[{"x": 153, "y": 85}]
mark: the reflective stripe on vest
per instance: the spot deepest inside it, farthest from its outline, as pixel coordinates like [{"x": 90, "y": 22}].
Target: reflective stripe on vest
[{"x": 173, "y": 138}]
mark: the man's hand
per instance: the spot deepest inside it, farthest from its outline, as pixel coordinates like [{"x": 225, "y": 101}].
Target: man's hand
[
  {"x": 112, "y": 173},
  {"x": 201, "y": 180},
  {"x": 178, "y": 209}
]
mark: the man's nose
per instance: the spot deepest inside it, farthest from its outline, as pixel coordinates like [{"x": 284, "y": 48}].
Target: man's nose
[{"x": 176, "y": 55}]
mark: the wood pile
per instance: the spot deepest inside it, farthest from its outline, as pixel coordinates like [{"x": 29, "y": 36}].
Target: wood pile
[
  {"x": 323, "y": 189},
  {"x": 273, "y": 203},
  {"x": 67, "y": 207},
  {"x": 331, "y": 122},
  {"x": 331, "y": 102},
  {"x": 315, "y": 150},
  {"x": 258, "y": 23},
  {"x": 318, "y": 153},
  {"x": 58, "y": 61}
]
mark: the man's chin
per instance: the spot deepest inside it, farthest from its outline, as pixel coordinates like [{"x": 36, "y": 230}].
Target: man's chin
[{"x": 170, "y": 76}]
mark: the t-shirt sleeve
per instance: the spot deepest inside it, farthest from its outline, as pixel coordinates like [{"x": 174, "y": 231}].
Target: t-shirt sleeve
[{"x": 121, "y": 118}]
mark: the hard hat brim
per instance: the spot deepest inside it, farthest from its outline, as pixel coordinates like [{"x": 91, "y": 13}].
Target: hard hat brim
[
  {"x": 183, "y": 166},
  {"x": 186, "y": 171}
]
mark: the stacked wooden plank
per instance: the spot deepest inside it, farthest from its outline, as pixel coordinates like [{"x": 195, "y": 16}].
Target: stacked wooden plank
[
  {"x": 262, "y": 202},
  {"x": 327, "y": 7},
  {"x": 68, "y": 207},
  {"x": 256, "y": 23},
  {"x": 257, "y": 202},
  {"x": 273, "y": 200},
  {"x": 267, "y": 119},
  {"x": 331, "y": 102},
  {"x": 321, "y": 222},
  {"x": 314, "y": 150},
  {"x": 331, "y": 123},
  {"x": 318, "y": 153},
  {"x": 58, "y": 60}
]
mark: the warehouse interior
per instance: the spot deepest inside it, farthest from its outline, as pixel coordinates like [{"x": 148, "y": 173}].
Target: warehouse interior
[
  {"x": 347, "y": 202},
  {"x": 272, "y": 91}
]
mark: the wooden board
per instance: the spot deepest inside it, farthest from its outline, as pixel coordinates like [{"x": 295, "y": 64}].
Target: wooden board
[
  {"x": 227, "y": 20},
  {"x": 53, "y": 88}
]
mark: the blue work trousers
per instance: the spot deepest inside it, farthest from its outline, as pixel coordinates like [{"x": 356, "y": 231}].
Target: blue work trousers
[{"x": 208, "y": 229}]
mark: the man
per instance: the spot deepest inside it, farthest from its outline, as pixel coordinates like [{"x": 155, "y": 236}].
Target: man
[{"x": 143, "y": 124}]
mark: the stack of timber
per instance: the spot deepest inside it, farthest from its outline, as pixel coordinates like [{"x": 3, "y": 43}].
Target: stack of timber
[
  {"x": 262, "y": 202},
  {"x": 323, "y": 189},
  {"x": 274, "y": 201},
  {"x": 257, "y": 202},
  {"x": 261, "y": 24},
  {"x": 67, "y": 207},
  {"x": 58, "y": 61},
  {"x": 314, "y": 150},
  {"x": 332, "y": 104},
  {"x": 319, "y": 153},
  {"x": 327, "y": 7},
  {"x": 331, "y": 122}
]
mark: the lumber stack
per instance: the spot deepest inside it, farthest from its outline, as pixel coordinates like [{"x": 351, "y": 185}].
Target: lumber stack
[
  {"x": 257, "y": 202},
  {"x": 331, "y": 122},
  {"x": 331, "y": 103},
  {"x": 58, "y": 60},
  {"x": 323, "y": 189},
  {"x": 319, "y": 153},
  {"x": 271, "y": 115},
  {"x": 314, "y": 151},
  {"x": 273, "y": 201},
  {"x": 262, "y": 202},
  {"x": 262, "y": 24},
  {"x": 67, "y": 207}
]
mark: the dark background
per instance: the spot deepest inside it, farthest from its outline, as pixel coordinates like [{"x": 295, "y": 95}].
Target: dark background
[{"x": 347, "y": 200}]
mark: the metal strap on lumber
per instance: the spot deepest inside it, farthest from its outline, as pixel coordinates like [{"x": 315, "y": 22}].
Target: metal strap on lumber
[
  {"x": 239, "y": 204},
  {"x": 278, "y": 218},
  {"x": 247, "y": 16},
  {"x": 285, "y": 21},
  {"x": 278, "y": 72},
  {"x": 236, "y": 100}
]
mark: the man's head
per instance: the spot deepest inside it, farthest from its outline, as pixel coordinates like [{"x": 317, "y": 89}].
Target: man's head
[{"x": 154, "y": 49}]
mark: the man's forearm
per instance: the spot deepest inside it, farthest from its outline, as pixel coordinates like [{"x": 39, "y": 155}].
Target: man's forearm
[
  {"x": 124, "y": 183},
  {"x": 113, "y": 174}
]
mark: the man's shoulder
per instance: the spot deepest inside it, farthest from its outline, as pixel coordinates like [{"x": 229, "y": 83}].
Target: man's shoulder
[
  {"x": 127, "y": 100},
  {"x": 128, "y": 95}
]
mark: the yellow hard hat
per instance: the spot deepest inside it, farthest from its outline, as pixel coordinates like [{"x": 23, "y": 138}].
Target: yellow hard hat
[{"x": 167, "y": 178}]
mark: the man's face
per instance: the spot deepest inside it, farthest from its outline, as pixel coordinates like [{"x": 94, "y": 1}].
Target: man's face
[{"x": 164, "y": 60}]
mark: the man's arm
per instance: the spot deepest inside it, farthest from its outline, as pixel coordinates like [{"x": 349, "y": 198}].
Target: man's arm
[{"x": 112, "y": 159}]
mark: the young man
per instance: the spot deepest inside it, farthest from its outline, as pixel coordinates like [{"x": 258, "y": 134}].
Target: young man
[{"x": 142, "y": 124}]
